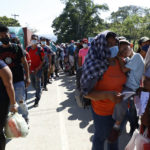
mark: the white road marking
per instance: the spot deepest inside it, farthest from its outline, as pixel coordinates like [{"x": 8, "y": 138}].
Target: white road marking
[{"x": 63, "y": 133}]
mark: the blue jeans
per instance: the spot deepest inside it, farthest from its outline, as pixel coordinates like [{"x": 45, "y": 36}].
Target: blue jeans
[
  {"x": 20, "y": 98},
  {"x": 103, "y": 126},
  {"x": 36, "y": 83}
]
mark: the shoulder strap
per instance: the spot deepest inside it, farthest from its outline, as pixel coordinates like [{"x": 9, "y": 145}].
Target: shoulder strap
[
  {"x": 28, "y": 48},
  {"x": 39, "y": 52},
  {"x": 15, "y": 46}
]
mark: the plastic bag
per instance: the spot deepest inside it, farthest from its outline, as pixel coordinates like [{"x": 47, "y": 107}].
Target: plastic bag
[
  {"x": 16, "y": 126},
  {"x": 137, "y": 141},
  {"x": 81, "y": 101}
]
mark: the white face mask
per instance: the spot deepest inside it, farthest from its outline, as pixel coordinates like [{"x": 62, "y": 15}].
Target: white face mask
[
  {"x": 34, "y": 42},
  {"x": 85, "y": 45},
  {"x": 43, "y": 42}
]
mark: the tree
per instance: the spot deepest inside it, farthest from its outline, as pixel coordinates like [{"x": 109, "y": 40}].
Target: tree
[
  {"x": 124, "y": 12},
  {"x": 131, "y": 21},
  {"x": 79, "y": 19},
  {"x": 9, "y": 21}
]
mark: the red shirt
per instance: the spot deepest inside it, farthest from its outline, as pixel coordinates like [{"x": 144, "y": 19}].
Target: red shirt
[
  {"x": 35, "y": 58},
  {"x": 113, "y": 80}
]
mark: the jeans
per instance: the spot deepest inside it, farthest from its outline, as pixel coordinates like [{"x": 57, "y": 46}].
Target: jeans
[
  {"x": 132, "y": 117},
  {"x": 20, "y": 98},
  {"x": 36, "y": 83},
  {"x": 121, "y": 108},
  {"x": 103, "y": 126},
  {"x": 4, "y": 107}
]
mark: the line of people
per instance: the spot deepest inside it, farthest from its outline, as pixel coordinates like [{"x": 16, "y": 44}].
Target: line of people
[
  {"x": 18, "y": 68},
  {"x": 109, "y": 66}
]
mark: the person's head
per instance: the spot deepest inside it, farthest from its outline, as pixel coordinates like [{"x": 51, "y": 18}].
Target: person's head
[
  {"x": 72, "y": 42},
  {"x": 144, "y": 44},
  {"x": 85, "y": 43},
  {"x": 112, "y": 44},
  {"x": 81, "y": 42},
  {"x": 144, "y": 50},
  {"x": 14, "y": 39},
  {"x": 4, "y": 35},
  {"x": 111, "y": 39},
  {"x": 34, "y": 40},
  {"x": 125, "y": 49},
  {"x": 43, "y": 41}
]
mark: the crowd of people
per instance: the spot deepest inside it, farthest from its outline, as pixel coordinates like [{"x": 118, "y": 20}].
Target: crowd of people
[{"x": 109, "y": 67}]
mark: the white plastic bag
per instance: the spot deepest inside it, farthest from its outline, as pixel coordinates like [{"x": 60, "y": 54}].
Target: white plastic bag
[
  {"x": 137, "y": 141},
  {"x": 16, "y": 126}
]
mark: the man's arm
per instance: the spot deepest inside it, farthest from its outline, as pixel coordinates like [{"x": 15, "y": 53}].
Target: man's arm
[
  {"x": 26, "y": 67},
  {"x": 6, "y": 77},
  {"x": 50, "y": 60},
  {"x": 102, "y": 95},
  {"x": 122, "y": 65},
  {"x": 80, "y": 61}
]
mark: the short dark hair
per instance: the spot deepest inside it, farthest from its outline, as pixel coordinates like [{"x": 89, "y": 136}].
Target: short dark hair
[
  {"x": 43, "y": 38},
  {"x": 34, "y": 36},
  {"x": 111, "y": 34},
  {"x": 3, "y": 28}
]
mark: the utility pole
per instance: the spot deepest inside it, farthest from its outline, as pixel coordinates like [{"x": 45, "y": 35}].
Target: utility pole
[{"x": 15, "y": 16}]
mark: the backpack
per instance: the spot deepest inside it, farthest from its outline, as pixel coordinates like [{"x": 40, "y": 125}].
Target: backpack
[
  {"x": 15, "y": 46},
  {"x": 80, "y": 99}
]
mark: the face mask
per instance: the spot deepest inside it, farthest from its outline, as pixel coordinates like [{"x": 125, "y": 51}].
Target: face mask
[
  {"x": 5, "y": 41},
  {"x": 34, "y": 42},
  {"x": 43, "y": 42},
  {"x": 145, "y": 48},
  {"x": 114, "y": 51},
  {"x": 1, "y": 43},
  {"x": 85, "y": 45}
]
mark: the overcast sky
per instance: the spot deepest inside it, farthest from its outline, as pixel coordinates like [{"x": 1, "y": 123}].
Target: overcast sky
[{"x": 39, "y": 14}]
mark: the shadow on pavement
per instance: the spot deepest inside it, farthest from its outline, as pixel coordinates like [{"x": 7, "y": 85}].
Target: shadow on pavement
[
  {"x": 76, "y": 113},
  {"x": 83, "y": 115}
]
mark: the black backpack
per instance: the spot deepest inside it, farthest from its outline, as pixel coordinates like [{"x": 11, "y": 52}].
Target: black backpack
[{"x": 80, "y": 99}]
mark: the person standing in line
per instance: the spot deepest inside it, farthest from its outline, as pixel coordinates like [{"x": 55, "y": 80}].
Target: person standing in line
[
  {"x": 99, "y": 71},
  {"x": 36, "y": 53},
  {"x": 71, "y": 50},
  {"x": 47, "y": 64},
  {"x": 7, "y": 99},
  {"x": 13, "y": 55},
  {"x": 83, "y": 52}
]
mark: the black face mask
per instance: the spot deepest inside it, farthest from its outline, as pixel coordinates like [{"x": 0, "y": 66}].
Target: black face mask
[{"x": 5, "y": 41}]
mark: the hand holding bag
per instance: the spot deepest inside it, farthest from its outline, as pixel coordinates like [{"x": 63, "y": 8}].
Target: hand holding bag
[{"x": 16, "y": 126}]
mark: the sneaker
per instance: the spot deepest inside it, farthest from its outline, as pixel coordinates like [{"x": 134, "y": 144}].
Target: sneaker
[
  {"x": 114, "y": 134},
  {"x": 27, "y": 120},
  {"x": 45, "y": 89},
  {"x": 36, "y": 105}
]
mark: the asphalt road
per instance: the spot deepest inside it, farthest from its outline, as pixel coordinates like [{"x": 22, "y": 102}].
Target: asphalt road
[{"x": 58, "y": 123}]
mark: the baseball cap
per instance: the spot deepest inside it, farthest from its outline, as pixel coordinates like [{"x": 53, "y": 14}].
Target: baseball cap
[
  {"x": 124, "y": 41},
  {"x": 143, "y": 39},
  {"x": 85, "y": 40}
]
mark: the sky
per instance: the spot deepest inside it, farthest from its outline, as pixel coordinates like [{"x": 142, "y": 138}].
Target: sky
[{"x": 39, "y": 14}]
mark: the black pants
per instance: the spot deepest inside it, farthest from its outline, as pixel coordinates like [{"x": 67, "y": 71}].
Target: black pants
[
  {"x": 4, "y": 106},
  {"x": 45, "y": 75}
]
